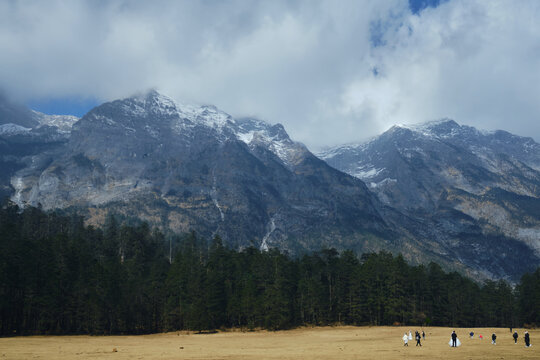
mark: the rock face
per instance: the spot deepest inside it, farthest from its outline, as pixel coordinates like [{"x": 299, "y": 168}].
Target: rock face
[
  {"x": 24, "y": 136},
  {"x": 476, "y": 193},
  {"x": 440, "y": 192},
  {"x": 183, "y": 167}
]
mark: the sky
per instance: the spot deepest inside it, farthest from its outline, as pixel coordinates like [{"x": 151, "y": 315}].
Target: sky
[{"x": 331, "y": 72}]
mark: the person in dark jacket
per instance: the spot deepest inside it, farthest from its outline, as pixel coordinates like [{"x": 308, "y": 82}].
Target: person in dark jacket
[
  {"x": 454, "y": 338},
  {"x": 417, "y": 335},
  {"x": 527, "y": 339},
  {"x": 494, "y": 339},
  {"x": 515, "y": 336}
]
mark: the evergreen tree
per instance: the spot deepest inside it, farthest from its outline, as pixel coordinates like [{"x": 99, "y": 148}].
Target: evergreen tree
[{"x": 58, "y": 276}]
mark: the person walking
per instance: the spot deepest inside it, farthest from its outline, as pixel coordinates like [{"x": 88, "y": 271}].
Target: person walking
[
  {"x": 417, "y": 335},
  {"x": 515, "y": 336},
  {"x": 527, "y": 339},
  {"x": 405, "y": 340},
  {"x": 494, "y": 339},
  {"x": 454, "y": 339},
  {"x": 410, "y": 335}
]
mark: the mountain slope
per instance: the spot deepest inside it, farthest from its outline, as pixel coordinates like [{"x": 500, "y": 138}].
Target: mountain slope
[
  {"x": 25, "y": 135},
  {"x": 477, "y": 190},
  {"x": 190, "y": 167},
  {"x": 184, "y": 167}
]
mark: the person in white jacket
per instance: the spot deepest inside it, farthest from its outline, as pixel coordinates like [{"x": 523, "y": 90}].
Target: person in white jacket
[{"x": 405, "y": 340}]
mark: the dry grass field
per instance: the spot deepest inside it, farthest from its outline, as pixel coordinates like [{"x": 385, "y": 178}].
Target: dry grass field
[{"x": 345, "y": 342}]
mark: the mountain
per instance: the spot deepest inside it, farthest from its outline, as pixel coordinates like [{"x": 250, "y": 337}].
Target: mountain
[
  {"x": 184, "y": 166},
  {"x": 475, "y": 192},
  {"x": 24, "y": 135}
]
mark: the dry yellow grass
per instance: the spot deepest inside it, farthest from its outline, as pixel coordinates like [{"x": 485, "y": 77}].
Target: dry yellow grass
[{"x": 345, "y": 342}]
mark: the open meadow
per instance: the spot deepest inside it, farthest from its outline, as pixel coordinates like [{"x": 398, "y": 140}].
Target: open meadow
[{"x": 344, "y": 342}]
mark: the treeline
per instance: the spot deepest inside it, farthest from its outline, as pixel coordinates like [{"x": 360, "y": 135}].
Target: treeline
[{"x": 58, "y": 276}]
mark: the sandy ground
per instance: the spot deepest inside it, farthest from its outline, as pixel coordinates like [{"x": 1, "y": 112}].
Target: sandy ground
[{"x": 306, "y": 343}]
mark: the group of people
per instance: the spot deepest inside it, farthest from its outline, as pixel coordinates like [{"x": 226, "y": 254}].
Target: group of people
[
  {"x": 454, "y": 341},
  {"x": 417, "y": 337}
]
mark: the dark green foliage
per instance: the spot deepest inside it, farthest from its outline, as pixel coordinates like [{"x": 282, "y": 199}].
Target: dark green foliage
[
  {"x": 58, "y": 276},
  {"x": 529, "y": 298}
]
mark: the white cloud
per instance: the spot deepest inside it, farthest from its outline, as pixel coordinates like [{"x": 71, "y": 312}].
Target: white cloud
[
  {"x": 309, "y": 65},
  {"x": 476, "y": 62}
]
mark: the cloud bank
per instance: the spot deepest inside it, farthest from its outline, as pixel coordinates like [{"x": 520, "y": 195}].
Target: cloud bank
[{"x": 331, "y": 71}]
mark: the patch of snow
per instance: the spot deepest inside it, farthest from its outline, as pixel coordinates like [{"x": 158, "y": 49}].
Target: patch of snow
[
  {"x": 365, "y": 172},
  {"x": 62, "y": 122},
  {"x": 155, "y": 103},
  {"x": 332, "y": 152},
  {"x": 213, "y": 117},
  {"x": 105, "y": 119},
  {"x": 13, "y": 129},
  {"x": 382, "y": 182},
  {"x": 179, "y": 126},
  {"x": 135, "y": 109},
  {"x": 187, "y": 116},
  {"x": 282, "y": 146},
  {"x": 213, "y": 195},
  {"x": 272, "y": 227},
  {"x": 18, "y": 185},
  {"x": 246, "y": 137}
]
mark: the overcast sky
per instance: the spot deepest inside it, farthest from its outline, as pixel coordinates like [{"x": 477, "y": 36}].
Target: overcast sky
[{"x": 331, "y": 71}]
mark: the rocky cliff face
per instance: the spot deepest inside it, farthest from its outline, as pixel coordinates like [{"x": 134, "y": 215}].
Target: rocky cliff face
[
  {"x": 441, "y": 192},
  {"x": 478, "y": 193},
  {"x": 24, "y": 136},
  {"x": 184, "y": 167}
]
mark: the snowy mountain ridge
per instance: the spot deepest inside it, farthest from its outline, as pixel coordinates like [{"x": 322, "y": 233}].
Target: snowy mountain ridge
[
  {"x": 185, "y": 116},
  {"x": 63, "y": 123},
  {"x": 453, "y": 174},
  {"x": 433, "y": 193},
  {"x": 185, "y": 167},
  {"x": 12, "y": 129},
  {"x": 410, "y": 139}
]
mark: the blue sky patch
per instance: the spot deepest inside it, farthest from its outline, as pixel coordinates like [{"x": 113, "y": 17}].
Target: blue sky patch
[
  {"x": 418, "y": 5},
  {"x": 64, "y": 106}
]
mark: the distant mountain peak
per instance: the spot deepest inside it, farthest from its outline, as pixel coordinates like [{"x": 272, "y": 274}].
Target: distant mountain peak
[
  {"x": 469, "y": 183},
  {"x": 444, "y": 123},
  {"x": 438, "y": 128},
  {"x": 155, "y": 115}
]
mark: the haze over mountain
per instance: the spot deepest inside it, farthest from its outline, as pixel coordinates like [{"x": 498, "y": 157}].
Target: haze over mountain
[
  {"x": 190, "y": 167},
  {"x": 330, "y": 72}
]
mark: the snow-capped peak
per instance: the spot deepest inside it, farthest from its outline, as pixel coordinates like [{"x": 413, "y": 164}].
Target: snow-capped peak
[
  {"x": 12, "y": 129},
  {"x": 156, "y": 113},
  {"x": 330, "y": 152},
  {"x": 156, "y": 103},
  {"x": 440, "y": 129},
  {"x": 61, "y": 122},
  {"x": 211, "y": 116}
]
